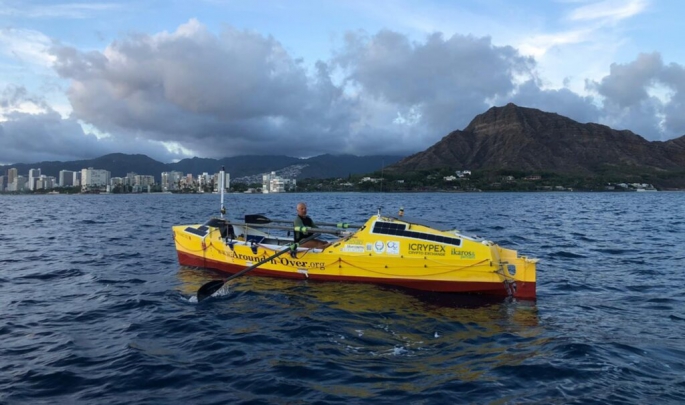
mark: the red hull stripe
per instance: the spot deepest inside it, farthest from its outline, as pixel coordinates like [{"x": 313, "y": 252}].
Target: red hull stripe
[{"x": 523, "y": 290}]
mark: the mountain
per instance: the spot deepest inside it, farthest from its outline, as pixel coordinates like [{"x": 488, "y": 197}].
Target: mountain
[
  {"x": 340, "y": 165},
  {"x": 238, "y": 166},
  {"x": 509, "y": 138},
  {"x": 319, "y": 167},
  {"x": 528, "y": 139},
  {"x": 119, "y": 164}
]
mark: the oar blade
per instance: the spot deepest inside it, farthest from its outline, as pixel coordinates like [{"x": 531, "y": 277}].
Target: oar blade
[
  {"x": 213, "y": 286},
  {"x": 208, "y": 289},
  {"x": 256, "y": 219}
]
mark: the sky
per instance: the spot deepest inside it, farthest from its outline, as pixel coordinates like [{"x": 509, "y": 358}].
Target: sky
[{"x": 175, "y": 79}]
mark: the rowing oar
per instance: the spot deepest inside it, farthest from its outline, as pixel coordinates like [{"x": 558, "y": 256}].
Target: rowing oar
[
  {"x": 261, "y": 219},
  {"x": 215, "y": 285},
  {"x": 303, "y": 229}
]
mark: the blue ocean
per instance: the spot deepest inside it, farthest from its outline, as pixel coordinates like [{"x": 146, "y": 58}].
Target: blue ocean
[{"x": 97, "y": 310}]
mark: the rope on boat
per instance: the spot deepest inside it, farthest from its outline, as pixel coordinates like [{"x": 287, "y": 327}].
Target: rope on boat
[
  {"x": 509, "y": 281},
  {"x": 305, "y": 253},
  {"x": 341, "y": 261},
  {"x": 452, "y": 270},
  {"x": 450, "y": 264},
  {"x": 186, "y": 248}
]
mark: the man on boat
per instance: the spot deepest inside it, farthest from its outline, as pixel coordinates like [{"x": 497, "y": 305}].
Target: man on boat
[{"x": 303, "y": 220}]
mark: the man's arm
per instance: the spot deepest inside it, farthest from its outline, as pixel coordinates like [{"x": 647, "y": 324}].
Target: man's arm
[{"x": 298, "y": 221}]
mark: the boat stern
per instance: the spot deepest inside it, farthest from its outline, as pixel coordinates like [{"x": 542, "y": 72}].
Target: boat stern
[
  {"x": 189, "y": 240},
  {"x": 518, "y": 273}
]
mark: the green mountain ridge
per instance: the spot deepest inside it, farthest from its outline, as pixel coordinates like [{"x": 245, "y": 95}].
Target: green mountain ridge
[
  {"x": 529, "y": 141},
  {"x": 509, "y": 138},
  {"x": 119, "y": 164}
]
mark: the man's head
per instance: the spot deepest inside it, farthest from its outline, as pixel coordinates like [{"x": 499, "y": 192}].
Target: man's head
[{"x": 302, "y": 209}]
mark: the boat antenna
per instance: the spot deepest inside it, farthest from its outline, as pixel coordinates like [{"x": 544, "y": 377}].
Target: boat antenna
[
  {"x": 222, "y": 179},
  {"x": 381, "y": 204}
]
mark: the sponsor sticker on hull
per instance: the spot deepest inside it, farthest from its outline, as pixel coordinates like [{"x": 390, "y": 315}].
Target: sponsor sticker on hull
[
  {"x": 464, "y": 254},
  {"x": 426, "y": 249},
  {"x": 353, "y": 248}
]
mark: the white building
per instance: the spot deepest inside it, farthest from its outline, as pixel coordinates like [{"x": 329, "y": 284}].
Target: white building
[
  {"x": 271, "y": 183},
  {"x": 217, "y": 181},
  {"x": 45, "y": 183},
  {"x": 171, "y": 180},
  {"x": 94, "y": 178},
  {"x": 66, "y": 178},
  {"x": 34, "y": 175},
  {"x": 143, "y": 180},
  {"x": 203, "y": 180},
  {"x": 18, "y": 184},
  {"x": 130, "y": 179},
  {"x": 11, "y": 175}
]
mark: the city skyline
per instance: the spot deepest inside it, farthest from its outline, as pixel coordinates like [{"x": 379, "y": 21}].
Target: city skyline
[
  {"x": 170, "y": 181},
  {"x": 13, "y": 181}
]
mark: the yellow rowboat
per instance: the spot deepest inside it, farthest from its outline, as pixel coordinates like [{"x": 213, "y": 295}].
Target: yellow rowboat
[{"x": 389, "y": 250}]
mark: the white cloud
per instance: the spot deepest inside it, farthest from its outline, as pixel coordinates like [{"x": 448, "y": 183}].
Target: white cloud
[
  {"x": 538, "y": 45},
  {"x": 28, "y": 9},
  {"x": 38, "y": 133},
  {"x": 444, "y": 81},
  {"x": 627, "y": 102},
  {"x": 215, "y": 94},
  {"x": 14, "y": 99},
  {"x": 242, "y": 93},
  {"x": 580, "y": 43},
  {"x": 610, "y": 11},
  {"x": 26, "y": 46}
]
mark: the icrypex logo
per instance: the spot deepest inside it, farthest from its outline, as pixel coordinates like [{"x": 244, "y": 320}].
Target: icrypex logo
[{"x": 427, "y": 249}]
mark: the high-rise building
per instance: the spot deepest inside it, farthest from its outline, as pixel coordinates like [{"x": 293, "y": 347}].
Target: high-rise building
[
  {"x": 271, "y": 183},
  {"x": 18, "y": 184},
  {"x": 3, "y": 183},
  {"x": 34, "y": 175},
  {"x": 11, "y": 175},
  {"x": 51, "y": 182},
  {"x": 45, "y": 183},
  {"x": 171, "y": 180},
  {"x": 94, "y": 178},
  {"x": 143, "y": 180},
  {"x": 203, "y": 181},
  {"x": 217, "y": 181},
  {"x": 66, "y": 178}
]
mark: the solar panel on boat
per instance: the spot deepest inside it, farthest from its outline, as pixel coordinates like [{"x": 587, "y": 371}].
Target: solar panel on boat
[
  {"x": 390, "y": 228},
  {"x": 201, "y": 231}
]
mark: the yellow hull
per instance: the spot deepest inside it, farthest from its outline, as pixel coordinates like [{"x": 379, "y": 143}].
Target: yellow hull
[{"x": 385, "y": 250}]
